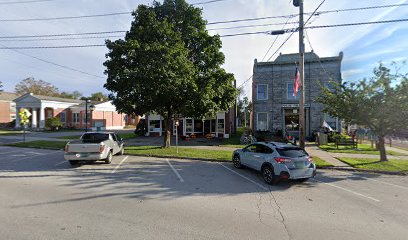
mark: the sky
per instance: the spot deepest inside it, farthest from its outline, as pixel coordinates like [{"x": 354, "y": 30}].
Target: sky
[{"x": 363, "y": 46}]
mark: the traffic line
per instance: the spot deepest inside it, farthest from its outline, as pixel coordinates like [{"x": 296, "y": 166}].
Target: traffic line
[
  {"x": 248, "y": 179},
  {"x": 117, "y": 167},
  {"x": 375, "y": 180},
  {"x": 45, "y": 154},
  {"x": 60, "y": 163},
  {"x": 348, "y": 190},
  {"x": 175, "y": 171}
]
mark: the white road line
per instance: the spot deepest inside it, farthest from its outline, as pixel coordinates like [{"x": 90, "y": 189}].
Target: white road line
[
  {"x": 20, "y": 159},
  {"x": 60, "y": 163},
  {"x": 175, "y": 171},
  {"x": 348, "y": 190},
  {"x": 375, "y": 180},
  {"x": 1, "y": 153},
  {"x": 257, "y": 184},
  {"x": 18, "y": 155},
  {"x": 117, "y": 167}
]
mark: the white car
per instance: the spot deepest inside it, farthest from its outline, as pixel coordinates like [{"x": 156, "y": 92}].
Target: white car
[
  {"x": 94, "y": 146},
  {"x": 276, "y": 161}
]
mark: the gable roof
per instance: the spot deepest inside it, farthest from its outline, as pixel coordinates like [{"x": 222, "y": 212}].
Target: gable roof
[
  {"x": 48, "y": 98},
  {"x": 7, "y": 96}
]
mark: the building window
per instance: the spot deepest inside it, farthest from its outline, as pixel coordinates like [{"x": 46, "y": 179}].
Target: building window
[
  {"x": 262, "y": 91},
  {"x": 220, "y": 126},
  {"x": 262, "y": 122},
  {"x": 63, "y": 117},
  {"x": 75, "y": 117},
  {"x": 12, "y": 107},
  {"x": 154, "y": 126},
  {"x": 189, "y": 125},
  {"x": 290, "y": 92}
]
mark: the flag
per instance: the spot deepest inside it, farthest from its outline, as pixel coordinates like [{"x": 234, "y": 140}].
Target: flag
[
  {"x": 326, "y": 125},
  {"x": 296, "y": 85}
]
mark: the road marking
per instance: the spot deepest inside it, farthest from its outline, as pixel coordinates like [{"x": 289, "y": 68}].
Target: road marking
[
  {"x": 375, "y": 180},
  {"x": 252, "y": 181},
  {"x": 20, "y": 159},
  {"x": 9, "y": 152},
  {"x": 56, "y": 165},
  {"x": 117, "y": 167},
  {"x": 348, "y": 190},
  {"x": 18, "y": 155},
  {"x": 175, "y": 171},
  {"x": 36, "y": 153}
]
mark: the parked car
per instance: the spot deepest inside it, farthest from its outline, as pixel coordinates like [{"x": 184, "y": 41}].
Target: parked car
[
  {"x": 276, "y": 161},
  {"x": 94, "y": 146}
]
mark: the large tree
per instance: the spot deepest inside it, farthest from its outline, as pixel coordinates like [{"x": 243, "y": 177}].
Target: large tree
[
  {"x": 168, "y": 64},
  {"x": 71, "y": 95},
  {"x": 38, "y": 87},
  {"x": 379, "y": 103}
]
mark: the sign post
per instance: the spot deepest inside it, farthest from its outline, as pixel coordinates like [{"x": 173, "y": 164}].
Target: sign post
[
  {"x": 24, "y": 120},
  {"x": 177, "y": 124}
]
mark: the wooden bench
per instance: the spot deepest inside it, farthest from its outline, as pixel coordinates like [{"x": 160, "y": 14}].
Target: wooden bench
[{"x": 346, "y": 142}]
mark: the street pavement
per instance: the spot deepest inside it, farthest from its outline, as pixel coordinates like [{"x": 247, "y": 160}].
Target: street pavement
[{"x": 43, "y": 197}]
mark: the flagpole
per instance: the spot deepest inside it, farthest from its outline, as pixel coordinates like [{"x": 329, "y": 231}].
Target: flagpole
[{"x": 302, "y": 79}]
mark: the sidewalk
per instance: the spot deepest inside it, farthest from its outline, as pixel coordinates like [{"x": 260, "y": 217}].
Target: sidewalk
[{"x": 314, "y": 150}]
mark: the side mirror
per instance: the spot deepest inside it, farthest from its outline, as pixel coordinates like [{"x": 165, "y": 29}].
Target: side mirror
[{"x": 121, "y": 139}]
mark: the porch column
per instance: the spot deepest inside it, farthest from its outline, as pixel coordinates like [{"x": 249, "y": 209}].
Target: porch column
[
  {"x": 17, "y": 118},
  {"x": 42, "y": 117},
  {"x": 34, "y": 118}
]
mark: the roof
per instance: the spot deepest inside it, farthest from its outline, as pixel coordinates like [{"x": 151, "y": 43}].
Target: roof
[
  {"x": 82, "y": 104},
  {"x": 7, "y": 96},
  {"x": 292, "y": 58},
  {"x": 49, "y": 98}
]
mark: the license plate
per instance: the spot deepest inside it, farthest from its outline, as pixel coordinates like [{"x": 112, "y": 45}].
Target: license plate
[{"x": 81, "y": 155}]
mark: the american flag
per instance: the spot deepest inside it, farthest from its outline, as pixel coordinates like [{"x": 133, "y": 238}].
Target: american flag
[{"x": 296, "y": 85}]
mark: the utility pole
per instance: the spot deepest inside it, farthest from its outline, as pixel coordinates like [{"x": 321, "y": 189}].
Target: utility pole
[{"x": 302, "y": 75}]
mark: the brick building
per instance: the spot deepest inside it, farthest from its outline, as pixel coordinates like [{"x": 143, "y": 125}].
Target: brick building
[
  {"x": 72, "y": 113},
  {"x": 7, "y": 107},
  {"x": 274, "y": 106}
]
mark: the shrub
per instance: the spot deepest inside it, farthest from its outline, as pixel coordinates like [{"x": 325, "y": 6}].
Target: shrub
[{"x": 53, "y": 123}]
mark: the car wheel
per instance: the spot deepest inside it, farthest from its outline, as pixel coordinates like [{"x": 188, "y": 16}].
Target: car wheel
[
  {"x": 237, "y": 161},
  {"x": 73, "y": 163},
  {"x": 268, "y": 175},
  {"x": 108, "y": 159}
]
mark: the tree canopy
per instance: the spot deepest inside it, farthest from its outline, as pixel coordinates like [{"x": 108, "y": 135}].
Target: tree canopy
[
  {"x": 38, "y": 87},
  {"x": 168, "y": 64},
  {"x": 71, "y": 95},
  {"x": 379, "y": 103}
]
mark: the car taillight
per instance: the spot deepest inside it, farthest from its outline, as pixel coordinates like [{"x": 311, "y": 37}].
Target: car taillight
[
  {"x": 101, "y": 148},
  {"x": 281, "y": 160},
  {"x": 66, "y": 148}
]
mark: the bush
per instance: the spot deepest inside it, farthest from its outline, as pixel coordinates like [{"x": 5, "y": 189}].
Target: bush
[
  {"x": 333, "y": 136},
  {"x": 53, "y": 123}
]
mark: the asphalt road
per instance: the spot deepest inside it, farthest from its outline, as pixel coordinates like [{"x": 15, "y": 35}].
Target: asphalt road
[{"x": 43, "y": 197}]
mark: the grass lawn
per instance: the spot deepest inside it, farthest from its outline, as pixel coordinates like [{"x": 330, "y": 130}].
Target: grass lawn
[
  {"x": 374, "y": 164},
  {"x": 41, "y": 144},
  {"x": 362, "y": 149},
  {"x": 321, "y": 163},
  {"x": 9, "y": 132},
  {"x": 222, "y": 155},
  {"x": 127, "y": 135}
]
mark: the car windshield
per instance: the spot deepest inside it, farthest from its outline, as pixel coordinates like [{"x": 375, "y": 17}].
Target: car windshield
[
  {"x": 292, "y": 152},
  {"x": 94, "y": 137}
]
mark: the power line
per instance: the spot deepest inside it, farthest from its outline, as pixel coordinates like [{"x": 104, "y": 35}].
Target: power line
[
  {"x": 358, "y": 23},
  {"x": 28, "y": 1},
  {"x": 56, "y": 47},
  {"x": 58, "y": 39},
  {"x": 253, "y": 25},
  {"x": 66, "y": 17},
  {"x": 207, "y": 2},
  {"x": 62, "y": 34}
]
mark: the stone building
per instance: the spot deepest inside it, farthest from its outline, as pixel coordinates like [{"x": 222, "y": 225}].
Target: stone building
[{"x": 274, "y": 106}]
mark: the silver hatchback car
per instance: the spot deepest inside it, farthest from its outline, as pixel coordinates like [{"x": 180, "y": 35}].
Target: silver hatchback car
[{"x": 276, "y": 161}]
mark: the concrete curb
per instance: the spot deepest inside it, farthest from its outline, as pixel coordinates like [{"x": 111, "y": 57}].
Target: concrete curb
[{"x": 366, "y": 171}]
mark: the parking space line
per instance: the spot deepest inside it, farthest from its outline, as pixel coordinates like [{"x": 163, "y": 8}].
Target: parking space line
[
  {"x": 117, "y": 167},
  {"x": 348, "y": 190},
  {"x": 20, "y": 159},
  {"x": 375, "y": 180},
  {"x": 248, "y": 179},
  {"x": 56, "y": 165},
  {"x": 175, "y": 171}
]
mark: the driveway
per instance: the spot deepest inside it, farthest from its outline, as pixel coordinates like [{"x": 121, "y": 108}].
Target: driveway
[{"x": 43, "y": 197}]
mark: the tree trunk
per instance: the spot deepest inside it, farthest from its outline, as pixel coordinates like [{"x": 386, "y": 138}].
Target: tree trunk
[
  {"x": 167, "y": 135},
  {"x": 381, "y": 147}
]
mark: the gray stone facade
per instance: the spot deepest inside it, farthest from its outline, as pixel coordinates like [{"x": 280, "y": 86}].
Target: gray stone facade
[{"x": 279, "y": 77}]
